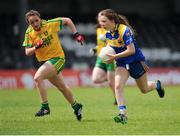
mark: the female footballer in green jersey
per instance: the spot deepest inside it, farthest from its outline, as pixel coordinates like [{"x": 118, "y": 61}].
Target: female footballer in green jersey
[
  {"x": 102, "y": 72},
  {"x": 41, "y": 39}
]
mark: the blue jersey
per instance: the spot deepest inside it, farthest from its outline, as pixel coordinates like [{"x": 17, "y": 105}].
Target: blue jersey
[{"x": 120, "y": 39}]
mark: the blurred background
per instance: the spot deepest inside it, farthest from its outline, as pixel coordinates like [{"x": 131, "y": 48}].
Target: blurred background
[{"x": 156, "y": 23}]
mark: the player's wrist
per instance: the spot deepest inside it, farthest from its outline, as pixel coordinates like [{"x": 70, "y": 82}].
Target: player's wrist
[
  {"x": 39, "y": 44},
  {"x": 93, "y": 51},
  {"x": 116, "y": 56},
  {"x": 76, "y": 34},
  {"x": 37, "y": 47},
  {"x": 79, "y": 37}
]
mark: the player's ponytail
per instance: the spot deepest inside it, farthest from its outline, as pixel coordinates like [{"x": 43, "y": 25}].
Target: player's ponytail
[{"x": 123, "y": 20}]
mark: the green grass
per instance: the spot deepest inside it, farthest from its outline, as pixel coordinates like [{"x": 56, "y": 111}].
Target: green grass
[{"x": 147, "y": 114}]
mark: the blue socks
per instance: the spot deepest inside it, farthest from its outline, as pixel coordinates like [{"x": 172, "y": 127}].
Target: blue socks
[{"x": 122, "y": 109}]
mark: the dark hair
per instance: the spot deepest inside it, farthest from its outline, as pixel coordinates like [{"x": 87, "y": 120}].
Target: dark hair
[
  {"x": 118, "y": 19},
  {"x": 32, "y": 13}
]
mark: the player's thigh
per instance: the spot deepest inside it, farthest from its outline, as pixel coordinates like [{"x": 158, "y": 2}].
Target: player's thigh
[
  {"x": 142, "y": 82},
  {"x": 111, "y": 76},
  {"x": 58, "y": 81},
  {"x": 121, "y": 76},
  {"x": 98, "y": 73},
  {"x": 45, "y": 71}
]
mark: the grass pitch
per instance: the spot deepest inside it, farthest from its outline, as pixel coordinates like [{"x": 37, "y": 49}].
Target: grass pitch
[{"x": 147, "y": 113}]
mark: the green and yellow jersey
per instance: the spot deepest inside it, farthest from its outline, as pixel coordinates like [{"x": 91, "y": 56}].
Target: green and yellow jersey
[
  {"x": 101, "y": 39},
  {"x": 51, "y": 47}
]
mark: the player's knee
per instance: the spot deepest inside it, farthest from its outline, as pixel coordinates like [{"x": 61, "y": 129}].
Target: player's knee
[
  {"x": 95, "y": 80},
  {"x": 37, "y": 79},
  {"x": 119, "y": 87},
  {"x": 110, "y": 84},
  {"x": 144, "y": 90}
]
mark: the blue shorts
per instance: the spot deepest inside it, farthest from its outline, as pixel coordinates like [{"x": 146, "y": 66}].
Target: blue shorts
[{"x": 136, "y": 70}]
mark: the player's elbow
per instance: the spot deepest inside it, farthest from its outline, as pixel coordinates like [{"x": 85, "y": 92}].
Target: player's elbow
[
  {"x": 67, "y": 21},
  {"x": 132, "y": 51},
  {"x": 28, "y": 53}
]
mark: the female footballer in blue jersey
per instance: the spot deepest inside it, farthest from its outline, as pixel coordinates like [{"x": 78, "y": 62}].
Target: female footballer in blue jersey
[
  {"x": 129, "y": 58},
  {"x": 41, "y": 39}
]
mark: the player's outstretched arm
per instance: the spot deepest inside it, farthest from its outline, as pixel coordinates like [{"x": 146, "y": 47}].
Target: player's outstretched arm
[
  {"x": 77, "y": 36},
  {"x": 69, "y": 23}
]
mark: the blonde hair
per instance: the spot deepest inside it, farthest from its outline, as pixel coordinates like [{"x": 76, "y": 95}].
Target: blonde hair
[
  {"x": 31, "y": 13},
  {"x": 118, "y": 19}
]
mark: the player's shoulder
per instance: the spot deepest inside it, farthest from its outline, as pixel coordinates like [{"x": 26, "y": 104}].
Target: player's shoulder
[
  {"x": 101, "y": 30},
  {"x": 54, "y": 20},
  {"x": 29, "y": 29},
  {"x": 123, "y": 29}
]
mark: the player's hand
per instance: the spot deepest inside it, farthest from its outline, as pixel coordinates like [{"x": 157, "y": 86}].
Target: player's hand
[
  {"x": 79, "y": 37},
  {"x": 93, "y": 51},
  {"x": 39, "y": 44},
  {"x": 112, "y": 57}
]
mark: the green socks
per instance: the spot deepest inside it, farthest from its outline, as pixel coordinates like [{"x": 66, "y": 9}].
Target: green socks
[
  {"x": 75, "y": 105},
  {"x": 45, "y": 105}
]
